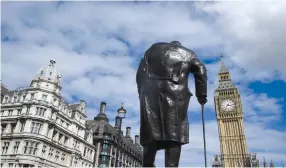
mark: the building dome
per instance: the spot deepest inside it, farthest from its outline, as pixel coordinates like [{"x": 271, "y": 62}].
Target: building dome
[{"x": 49, "y": 73}]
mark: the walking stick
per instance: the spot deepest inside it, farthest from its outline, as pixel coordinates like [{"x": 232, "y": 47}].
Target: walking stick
[{"x": 203, "y": 120}]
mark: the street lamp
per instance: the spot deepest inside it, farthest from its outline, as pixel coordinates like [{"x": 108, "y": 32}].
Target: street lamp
[{"x": 121, "y": 113}]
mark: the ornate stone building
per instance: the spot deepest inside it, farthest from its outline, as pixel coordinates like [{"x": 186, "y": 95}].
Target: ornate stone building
[
  {"x": 229, "y": 116},
  {"x": 40, "y": 129},
  {"x": 116, "y": 150}
]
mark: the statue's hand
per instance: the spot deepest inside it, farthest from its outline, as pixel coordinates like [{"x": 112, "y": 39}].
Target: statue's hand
[{"x": 202, "y": 99}]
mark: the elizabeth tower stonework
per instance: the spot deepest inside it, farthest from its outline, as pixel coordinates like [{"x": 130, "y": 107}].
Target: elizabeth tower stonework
[{"x": 230, "y": 122}]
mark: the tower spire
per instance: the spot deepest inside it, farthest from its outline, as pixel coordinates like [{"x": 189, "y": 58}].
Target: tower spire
[
  {"x": 224, "y": 77},
  {"x": 223, "y": 68}
]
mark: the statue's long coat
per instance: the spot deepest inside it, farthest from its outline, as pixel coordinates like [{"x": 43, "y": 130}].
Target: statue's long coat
[{"x": 162, "y": 80}]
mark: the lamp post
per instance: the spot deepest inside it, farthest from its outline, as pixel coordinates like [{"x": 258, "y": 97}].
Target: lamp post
[{"x": 121, "y": 113}]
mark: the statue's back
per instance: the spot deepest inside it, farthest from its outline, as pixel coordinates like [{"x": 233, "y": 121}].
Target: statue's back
[{"x": 167, "y": 61}]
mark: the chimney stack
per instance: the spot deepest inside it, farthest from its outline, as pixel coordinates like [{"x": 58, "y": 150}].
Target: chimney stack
[
  {"x": 102, "y": 107},
  {"x": 101, "y": 116},
  {"x": 128, "y": 129},
  {"x": 136, "y": 139}
]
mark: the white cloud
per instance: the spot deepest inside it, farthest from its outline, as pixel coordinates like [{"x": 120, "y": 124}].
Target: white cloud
[{"x": 253, "y": 38}]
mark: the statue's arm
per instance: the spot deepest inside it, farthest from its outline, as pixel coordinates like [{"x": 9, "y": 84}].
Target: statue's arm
[{"x": 200, "y": 75}]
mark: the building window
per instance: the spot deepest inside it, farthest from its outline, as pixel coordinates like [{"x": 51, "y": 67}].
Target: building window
[
  {"x": 91, "y": 152},
  {"x": 40, "y": 111},
  {"x": 66, "y": 140},
  {"x": 26, "y": 166},
  {"x": 54, "y": 101},
  {"x": 51, "y": 152},
  {"x": 104, "y": 161},
  {"x": 16, "y": 146},
  {"x": 28, "y": 110},
  {"x": 19, "y": 112},
  {"x": 63, "y": 157},
  {"x": 84, "y": 152},
  {"x": 13, "y": 126},
  {"x": 22, "y": 126},
  {"x": 32, "y": 96},
  {"x": 87, "y": 155},
  {"x": 24, "y": 97},
  {"x": 11, "y": 165},
  {"x": 44, "y": 97},
  {"x": 31, "y": 147},
  {"x": 75, "y": 161},
  {"x": 10, "y": 112},
  {"x": 3, "y": 127},
  {"x": 36, "y": 127},
  {"x": 6, "y": 100},
  {"x": 60, "y": 137},
  {"x": 44, "y": 150},
  {"x": 57, "y": 155},
  {"x": 54, "y": 135},
  {"x": 52, "y": 113},
  {"x": 15, "y": 99},
  {"x": 2, "y": 112},
  {"x": 5, "y": 147}
]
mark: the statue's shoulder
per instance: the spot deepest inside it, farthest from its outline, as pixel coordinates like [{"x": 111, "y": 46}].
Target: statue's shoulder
[
  {"x": 186, "y": 49},
  {"x": 169, "y": 46},
  {"x": 158, "y": 44}
]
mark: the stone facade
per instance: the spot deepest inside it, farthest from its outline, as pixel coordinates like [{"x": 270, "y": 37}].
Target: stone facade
[
  {"x": 39, "y": 128},
  {"x": 116, "y": 150},
  {"x": 229, "y": 116}
]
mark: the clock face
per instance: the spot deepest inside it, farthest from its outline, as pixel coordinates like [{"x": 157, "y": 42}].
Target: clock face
[{"x": 227, "y": 105}]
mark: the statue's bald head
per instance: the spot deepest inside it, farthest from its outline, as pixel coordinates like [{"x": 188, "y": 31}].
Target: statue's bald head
[{"x": 176, "y": 43}]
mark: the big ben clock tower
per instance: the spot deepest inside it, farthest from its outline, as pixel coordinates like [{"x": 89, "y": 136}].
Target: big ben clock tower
[{"x": 230, "y": 122}]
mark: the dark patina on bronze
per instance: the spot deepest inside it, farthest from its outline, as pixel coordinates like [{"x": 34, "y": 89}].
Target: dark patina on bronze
[{"x": 162, "y": 81}]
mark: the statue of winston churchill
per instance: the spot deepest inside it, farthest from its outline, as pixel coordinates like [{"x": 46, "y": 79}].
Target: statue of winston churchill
[{"x": 162, "y": 81}]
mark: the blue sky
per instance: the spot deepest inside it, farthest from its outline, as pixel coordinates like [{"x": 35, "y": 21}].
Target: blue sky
[{"x": 97, "y": 46}]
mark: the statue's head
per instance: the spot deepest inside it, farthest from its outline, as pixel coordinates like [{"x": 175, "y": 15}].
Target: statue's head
[{"x": 176, "y": 43}]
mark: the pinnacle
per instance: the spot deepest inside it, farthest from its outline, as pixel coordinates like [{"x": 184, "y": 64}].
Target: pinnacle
[{"x": 223, "y": 68}]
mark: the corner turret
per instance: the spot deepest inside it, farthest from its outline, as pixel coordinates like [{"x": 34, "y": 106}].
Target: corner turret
[{"x": 48, "y": 78}]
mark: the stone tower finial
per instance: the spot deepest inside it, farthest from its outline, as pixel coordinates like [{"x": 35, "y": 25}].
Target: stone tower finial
[
  {"x": 52, "y": 61},
  {"x": 122, "y": 105},
  {"x": 223, "y": 68}
]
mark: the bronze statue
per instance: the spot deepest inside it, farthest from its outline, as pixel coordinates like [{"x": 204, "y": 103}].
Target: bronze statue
[{"x": 162, "y": 81}]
